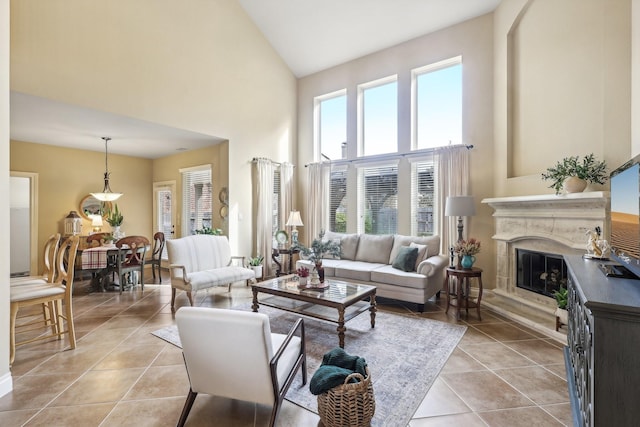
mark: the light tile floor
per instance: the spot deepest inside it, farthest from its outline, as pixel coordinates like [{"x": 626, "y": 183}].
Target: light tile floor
[{"x": 500, "y": 374}]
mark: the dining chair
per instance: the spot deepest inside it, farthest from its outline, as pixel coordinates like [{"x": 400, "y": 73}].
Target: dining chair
[
  {"x": 234, "y": 354},
  {"x": 49, "y": 273},
  {"x": 130, "y": 258},
  {"x": 156, "y": 255},
  {"x": 53, "y": 295}
]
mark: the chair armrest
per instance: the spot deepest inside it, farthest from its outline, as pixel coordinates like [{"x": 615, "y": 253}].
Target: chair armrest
[
  {"x": 178, "y": 267},
  {"x": 432, "y": 265},
  {"x": 273, "y": 363},
  {"x": 234, "y": 257}
]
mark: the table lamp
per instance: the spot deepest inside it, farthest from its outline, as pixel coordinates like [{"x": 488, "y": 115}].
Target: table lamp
[
  {"x": 459, "y": 206},
  {"x": 96, "y": 223},
  {"x": 294, "y": 221}
]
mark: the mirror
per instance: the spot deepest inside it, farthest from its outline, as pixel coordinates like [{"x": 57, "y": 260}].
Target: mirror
[{"x": 92, "y": 206}]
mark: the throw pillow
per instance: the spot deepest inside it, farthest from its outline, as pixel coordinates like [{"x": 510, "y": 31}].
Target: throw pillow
[
  {"x": 406, "y": 259},
  {"x": 422, "y": 251}
]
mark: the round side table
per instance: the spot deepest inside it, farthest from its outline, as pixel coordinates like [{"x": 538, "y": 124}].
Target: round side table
[{"x": 458, "y": 294}]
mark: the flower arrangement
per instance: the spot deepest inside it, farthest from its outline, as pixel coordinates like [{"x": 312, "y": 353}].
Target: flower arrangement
[
  {"x": 319, "y": 249},
  {"x": 467, "y": 247},
  {"x": 302, "y": 272},
  {"x": 114, "y": 217}
]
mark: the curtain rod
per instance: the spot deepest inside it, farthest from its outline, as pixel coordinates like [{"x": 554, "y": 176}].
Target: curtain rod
[
  {"x": 414, "y": 153},
  {"x": 255, "y": 159}
]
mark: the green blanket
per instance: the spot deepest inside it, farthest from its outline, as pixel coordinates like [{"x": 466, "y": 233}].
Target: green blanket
[{"x": 336, "y": 366}]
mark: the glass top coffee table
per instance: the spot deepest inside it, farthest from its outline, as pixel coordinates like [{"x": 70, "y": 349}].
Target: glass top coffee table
[{"x": 348, "y": 298}]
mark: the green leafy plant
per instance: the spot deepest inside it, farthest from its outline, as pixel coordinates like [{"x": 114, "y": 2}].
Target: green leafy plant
[
  {"x": 319, "y": 249},
  {"x": 589, "y": 169},
  {"x": 209, "y": 230},
  {"x": 561, "y": 296},
  {"x": 256, "y": 261},
  {"x": 114, "y": 217}
]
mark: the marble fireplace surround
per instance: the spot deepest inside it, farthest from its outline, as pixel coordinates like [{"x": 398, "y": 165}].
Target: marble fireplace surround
[{"x": 546, "y": 223}]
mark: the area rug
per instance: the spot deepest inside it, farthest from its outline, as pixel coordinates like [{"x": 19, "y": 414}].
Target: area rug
[{"x": 405, "y": 355}]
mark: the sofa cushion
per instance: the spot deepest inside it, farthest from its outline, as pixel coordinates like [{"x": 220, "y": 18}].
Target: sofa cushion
[
  {"x": 348, "y": 243},
  {"x": 406, "y": 259},
  {"x": 355, "y": 270},
  {"x": 422, "y": 251},
  {"x": 399, "y": 240},
  {"x": 375, "y": 248},
  {"x": 218, "y": 276},
  {"x": 392, "y": 276}
]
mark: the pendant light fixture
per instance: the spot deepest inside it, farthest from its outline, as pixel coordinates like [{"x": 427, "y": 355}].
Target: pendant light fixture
[{"x": 107, "y": 195}]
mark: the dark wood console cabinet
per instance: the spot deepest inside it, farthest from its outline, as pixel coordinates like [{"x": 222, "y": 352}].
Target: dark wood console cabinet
[{"x": 603, "y": 346}]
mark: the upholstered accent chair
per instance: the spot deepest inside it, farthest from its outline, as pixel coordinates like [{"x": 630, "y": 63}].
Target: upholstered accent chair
[{"x": 234, "y": 354}]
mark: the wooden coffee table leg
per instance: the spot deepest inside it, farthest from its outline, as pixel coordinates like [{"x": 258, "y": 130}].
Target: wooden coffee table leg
[
  {"x": 373, "y": 309},
  {"x": 255, "y": 305},
  {"x": 341, "y": 327}
]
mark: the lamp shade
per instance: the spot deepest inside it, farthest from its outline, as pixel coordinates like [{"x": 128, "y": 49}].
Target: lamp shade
[
  {"x": 459, "y": 206},
  {"x": 96, "y": 221},
  {"x": 294, "y": 219}
]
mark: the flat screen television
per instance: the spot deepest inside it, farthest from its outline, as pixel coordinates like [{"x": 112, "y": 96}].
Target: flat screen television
[{"x": 625, "y": 215}]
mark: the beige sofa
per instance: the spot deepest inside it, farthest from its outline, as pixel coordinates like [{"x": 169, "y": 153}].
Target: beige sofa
[{"x": 369, "y": 259}]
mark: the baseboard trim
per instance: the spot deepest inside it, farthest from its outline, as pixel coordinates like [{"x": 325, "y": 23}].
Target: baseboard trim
[{"x": 6, "y": 384}]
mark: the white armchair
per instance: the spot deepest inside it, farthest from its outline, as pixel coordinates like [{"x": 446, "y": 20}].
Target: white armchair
[{"x": 233, "y": 354}]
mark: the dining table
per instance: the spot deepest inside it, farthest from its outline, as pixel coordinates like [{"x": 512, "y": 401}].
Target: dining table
[{"x": 100, "y": 260}]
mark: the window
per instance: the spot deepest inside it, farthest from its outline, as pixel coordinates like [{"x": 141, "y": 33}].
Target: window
[
  {"x": 196, "y": 199},
  {"x": 332, "y": 125},
  {"x": 378, "y": 199},
  {"x": 275, "y": 222},
  {"x": 378, "y": 130},
  {"x": 338, "y": 200},
  {"x": 423, "y": 198},
  {"x": 438, "y": 104}
]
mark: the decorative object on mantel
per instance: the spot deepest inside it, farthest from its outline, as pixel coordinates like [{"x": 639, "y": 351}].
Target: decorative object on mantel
[
  {"x": 597, "y": 248},
  {"x": 320, "y": 248},
  {"x": 72, "y": 224},
  {"x": 573, "y": 174},
  {"x": 459, "y": 206},
  {"x": 466, "y": 250},
  {"x": 107, "y": 195}
]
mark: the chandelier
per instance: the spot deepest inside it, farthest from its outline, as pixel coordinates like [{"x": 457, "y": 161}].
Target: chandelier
[{"x": 107, "y": 195}]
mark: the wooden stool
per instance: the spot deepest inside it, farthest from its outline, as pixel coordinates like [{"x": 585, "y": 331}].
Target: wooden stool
[{"x": 459, "y": 295}]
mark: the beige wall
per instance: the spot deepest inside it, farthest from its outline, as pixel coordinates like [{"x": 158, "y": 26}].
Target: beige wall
[
  {"x": 562, "y": 87},
  {"x": 168, "y": 169},
  {"x": 6, "y": 383},
  {"x": 66, "y": 176},
  {"x": 474, "y": 41},
  {"x": 204, "y": 68}
]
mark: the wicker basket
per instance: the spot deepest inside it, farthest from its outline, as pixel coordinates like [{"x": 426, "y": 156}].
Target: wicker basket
[{"x": 349, "y": 404}]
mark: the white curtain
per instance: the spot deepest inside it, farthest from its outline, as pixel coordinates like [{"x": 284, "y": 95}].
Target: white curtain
[
  {"x": 453, "y": 180},
  {"x": 317, "y": 199},
  {"x": 263, "y": 174},
  {"x": 286, "y": 193}
]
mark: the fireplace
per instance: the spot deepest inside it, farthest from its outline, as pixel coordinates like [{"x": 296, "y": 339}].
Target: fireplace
[
  {"x": 539, "y": 230},
  {"x": 540, "y": 272}
]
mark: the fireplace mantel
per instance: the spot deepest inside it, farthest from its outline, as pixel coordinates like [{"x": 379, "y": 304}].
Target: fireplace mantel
[{"x": 546, "y": 223}]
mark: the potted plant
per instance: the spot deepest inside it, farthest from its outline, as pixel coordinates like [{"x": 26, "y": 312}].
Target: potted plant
[
  {"x": 319, "y": 249},
  {"x": 577, "y": 173},
  {"x": 562, "y": 316},
  {"x": 466, "y": 250},
  {"x": 210, "y": 231},
  {"x": 303, "y": 276},
  {"x": 255, "y": 263},
  {"x": 115, "y": 218}
]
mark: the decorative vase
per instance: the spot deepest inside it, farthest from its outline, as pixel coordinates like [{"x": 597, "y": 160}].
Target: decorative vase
[
  {"x": 117, "y": 234},
  {"x": 302, "y": 281},
  {"x": 320, "y": 269},
  {"x": 573, "y": 184},
  {"x": 314, "y": 279},
  {"x": 467, "y": 261}
]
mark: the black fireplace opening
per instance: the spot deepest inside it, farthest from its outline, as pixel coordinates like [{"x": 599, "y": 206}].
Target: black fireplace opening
[{"x": 540, "y": 272}]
